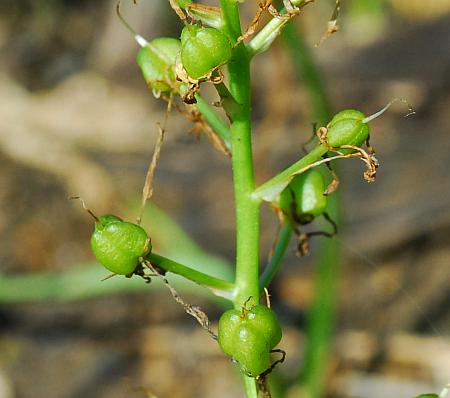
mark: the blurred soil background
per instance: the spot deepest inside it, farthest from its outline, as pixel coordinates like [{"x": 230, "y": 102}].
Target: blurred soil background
[{"x": 77, "y": 119}]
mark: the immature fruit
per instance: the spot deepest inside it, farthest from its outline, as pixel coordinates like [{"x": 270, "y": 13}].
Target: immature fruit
[
  {"x": 248, "y": 336},
  {"x": 427, "y": 396},
  {"x": 347, "y": 128},
  {"x": 118, "y": 245},
  {"x": 203, "y": 50},
  {"x": 157, "y": 61},
  {"x": 303, "y": 199}
]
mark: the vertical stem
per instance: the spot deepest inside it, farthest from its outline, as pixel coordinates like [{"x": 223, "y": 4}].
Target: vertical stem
[
  {"x": 250, "y": 387},
  {"x": 247, "y": 217},
  {"x": 247, "y": 208},
  {"x": 230, "y": 12}
]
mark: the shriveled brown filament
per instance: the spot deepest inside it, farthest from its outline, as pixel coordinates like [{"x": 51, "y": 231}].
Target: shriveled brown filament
[
  {"x": 84, "y": 206},
  {"x": 147, "y": 190}
]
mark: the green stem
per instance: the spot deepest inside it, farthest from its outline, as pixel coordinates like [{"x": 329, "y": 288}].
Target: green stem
[
  {"x": 221, "y": 287},
  {"x": 250, "y": 387},
  {"x": 247, "y": 208},
  {"x": 247, "y": 215},
  {"x": 229, "y": 104},
  {"x": 278, "y": 254},
  {"x": 230, "y": 12},
  {"x": 270, "y": 189},
  {"x": 214, "y": 120}
]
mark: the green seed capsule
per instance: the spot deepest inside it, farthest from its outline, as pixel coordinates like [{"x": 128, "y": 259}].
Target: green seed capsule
[
  {"x": 203, "y": 50},
  {"x": 347, "y": 128},
  {"x": 118, "y": 245},
  {"x": 157, "y": 61},
  {"x": 248, "y": 337},
  {"x": 427, "y": 396},
  {"x": 303, "y": 199}
]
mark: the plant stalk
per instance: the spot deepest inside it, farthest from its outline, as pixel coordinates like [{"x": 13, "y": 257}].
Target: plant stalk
[
  {"x": 277, "y": 256},
  {"x": 247, "y": 208},
  {"x": 270, "y": 189},
  {"x": 222, "y": 287},
  {"x": 214, "y": 120}
]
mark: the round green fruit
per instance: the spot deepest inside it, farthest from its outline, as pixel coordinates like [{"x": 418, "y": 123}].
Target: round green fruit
[
  {"x": 118, "y": 245},
  {"x": 347, "y": 128},
  {"x": 248, "y": 336},
  {"x": 203, "y": 50}
]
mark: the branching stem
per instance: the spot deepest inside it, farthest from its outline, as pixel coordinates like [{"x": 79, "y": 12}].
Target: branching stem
[
  {"x": 278, "y": 253},
  {"x": 219, "y": 286},
  {"x": 214, "y": 120},
  {"x": 270, "y": 189}
]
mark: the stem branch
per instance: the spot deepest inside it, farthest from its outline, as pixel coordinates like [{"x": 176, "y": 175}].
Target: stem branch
[
  {"x": 219, "y": 286},
  {"x": 214, "y": 120},
  {"x": 270, "y": 189},
  {"x": 275, "y": 261}
]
